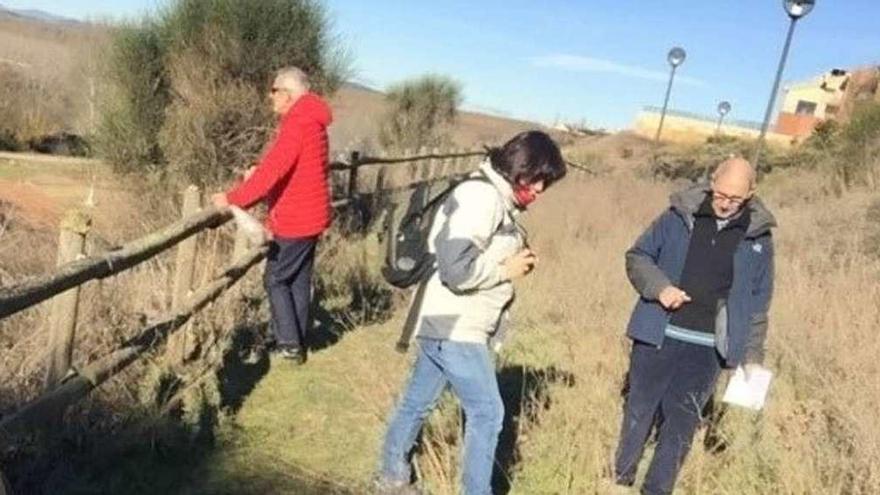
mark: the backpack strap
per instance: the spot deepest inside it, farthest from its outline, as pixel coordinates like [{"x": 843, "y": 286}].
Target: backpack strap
[
  {"x": 436, "y": 200},
  {"x": 409, "y": 326}
]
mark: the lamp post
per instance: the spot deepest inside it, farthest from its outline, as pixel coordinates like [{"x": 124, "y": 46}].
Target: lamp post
[
  {"x": 723, "y": 110},
  {"x": 675, "y": 57},
  {"x": 796, "y": 9}
]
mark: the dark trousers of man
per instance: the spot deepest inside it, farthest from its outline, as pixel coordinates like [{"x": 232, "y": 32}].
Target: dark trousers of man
[
  {"x": 288, "y": 281},
  {"x": 675, "y": 381}
]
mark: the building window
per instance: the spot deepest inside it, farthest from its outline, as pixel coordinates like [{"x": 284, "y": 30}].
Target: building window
[
  {"x": 805, "y": 108},
  {"x": 831, "y": 111}
]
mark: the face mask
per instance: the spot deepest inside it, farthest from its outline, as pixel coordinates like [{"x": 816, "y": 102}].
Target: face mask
[{"x": 524, "y": 195}]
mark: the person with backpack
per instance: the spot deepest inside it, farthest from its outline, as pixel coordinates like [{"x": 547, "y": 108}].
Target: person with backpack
[{"x": 477, "y": 250}]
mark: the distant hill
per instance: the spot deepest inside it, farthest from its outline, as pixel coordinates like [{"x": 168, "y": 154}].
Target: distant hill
[
  {"x": 35, "y": 15},
  {"x": 359, "y": 109},
  {"x": 52, "y": 48}
]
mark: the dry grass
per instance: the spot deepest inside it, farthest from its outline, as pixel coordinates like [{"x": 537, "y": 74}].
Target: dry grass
[
  {"x": 817, "y": 434},
  {"x": 356, "y": 113},
  {"x": 34, "y": 194},
  {"x": 51, "y": 74},
  {"x": 561, "y": 372}
]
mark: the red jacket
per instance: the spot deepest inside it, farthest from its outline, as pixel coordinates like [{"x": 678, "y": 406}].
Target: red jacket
[{"x": 292, "y": 175}]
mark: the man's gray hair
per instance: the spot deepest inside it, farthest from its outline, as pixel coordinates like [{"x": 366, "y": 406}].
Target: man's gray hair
[{"x": 293, "y": 78}]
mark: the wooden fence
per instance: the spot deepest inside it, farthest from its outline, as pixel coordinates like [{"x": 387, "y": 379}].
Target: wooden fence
[{"x": 66, "y": 385}]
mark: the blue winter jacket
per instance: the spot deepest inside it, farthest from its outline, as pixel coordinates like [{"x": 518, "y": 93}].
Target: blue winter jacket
[{"x": 657, "y": 261}]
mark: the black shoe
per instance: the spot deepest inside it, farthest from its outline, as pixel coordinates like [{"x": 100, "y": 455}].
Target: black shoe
[
  {"x": 295, "y": 354},
  {"x": 270, "y": 343}
]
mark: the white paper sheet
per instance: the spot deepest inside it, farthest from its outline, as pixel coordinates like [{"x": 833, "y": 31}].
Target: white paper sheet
[{"x": 750, "y": 393}]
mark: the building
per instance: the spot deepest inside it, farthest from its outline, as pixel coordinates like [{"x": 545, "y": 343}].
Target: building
[{"x": 833, "y": 95}]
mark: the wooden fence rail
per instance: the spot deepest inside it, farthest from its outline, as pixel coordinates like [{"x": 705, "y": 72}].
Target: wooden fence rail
[
  {"x": 37, "y": 289},
  {"x": 66, "y": 390},
  {"x": 66, "y": 386},
  {"x": 77, "y": 386}
]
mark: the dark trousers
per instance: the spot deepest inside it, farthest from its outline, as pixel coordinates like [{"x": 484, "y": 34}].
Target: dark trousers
[
  {"x": 288, "y": 281},
  {"x": 670, "y": 384}
]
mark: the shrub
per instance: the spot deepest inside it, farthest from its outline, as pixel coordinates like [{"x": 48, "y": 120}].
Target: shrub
[
  {"x": 215, "y": 122},
  {"x": 9, "y": 141},
  {"x": 421, "y": 112},
  {"x": 28, "y": 108},
  {"x": 190, "y": 82},
  {"x": 695, "y": 162},
  {"x": 860, "y": 147},
  {"x": 132, "y": 111},
  {"x": 872, "y": 233}
]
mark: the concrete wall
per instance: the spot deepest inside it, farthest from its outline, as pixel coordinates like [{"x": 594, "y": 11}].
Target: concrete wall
[
  {"x": 813, "y": 91},
  {"x": 812, "y": 94},
  {"x": 800, "y": 126},
  {"x": 683, "y": 128}
]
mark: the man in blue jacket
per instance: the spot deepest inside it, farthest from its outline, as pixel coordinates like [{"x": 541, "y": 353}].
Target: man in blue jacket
[{"x": 704, "y": 274}]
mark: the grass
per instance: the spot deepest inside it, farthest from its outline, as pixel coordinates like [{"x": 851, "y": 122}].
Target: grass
[
  {"x": 318, "y": 428},
  {"x": 17, "y": 166},
  {"x": 817, "y": 434}
]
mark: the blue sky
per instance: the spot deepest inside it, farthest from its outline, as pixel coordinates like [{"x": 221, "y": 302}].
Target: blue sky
[{"x": 597, "y": 60}]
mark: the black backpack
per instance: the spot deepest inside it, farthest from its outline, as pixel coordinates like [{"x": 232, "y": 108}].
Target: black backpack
[{"x": 407, "y": 260}]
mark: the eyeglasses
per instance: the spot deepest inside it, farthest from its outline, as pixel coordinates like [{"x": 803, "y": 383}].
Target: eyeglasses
[{"x": 733, "y": 200}]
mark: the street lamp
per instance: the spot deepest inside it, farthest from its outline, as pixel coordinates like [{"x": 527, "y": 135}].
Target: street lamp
[
  {"x": 723, "y": 110},
  {"x": 796, "y": 9},
  {"x": 675, "y": 57}
]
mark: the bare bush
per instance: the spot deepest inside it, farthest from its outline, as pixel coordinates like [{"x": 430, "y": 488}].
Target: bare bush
[
  {"x": 28, "y": 107},
  {"x": 232, "y": 124}
]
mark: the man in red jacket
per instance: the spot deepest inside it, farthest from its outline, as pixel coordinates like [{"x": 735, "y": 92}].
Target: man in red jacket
[{"x": 292, "y": 178}]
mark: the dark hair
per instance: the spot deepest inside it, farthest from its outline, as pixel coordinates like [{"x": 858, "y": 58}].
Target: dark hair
[{"x": 530, "y": 157}]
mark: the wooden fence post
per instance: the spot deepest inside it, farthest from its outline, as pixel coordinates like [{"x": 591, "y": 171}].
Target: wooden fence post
[
  {"x": 381, "y": 179},
  {"x": 353, "y": 175},
  {"x": 465, "y": 165},
  {"x": 378, "y": 194},
  {"x": 65, "y": 306},
  {"x": 430, "y": 172},
  {"x": 455, "y": 168},
  {"x": 184, "y": 270},
  {"x": 415, "y": 169},
  {"x": 234, "y": 295},
  {"x": 447, "y": 164}
]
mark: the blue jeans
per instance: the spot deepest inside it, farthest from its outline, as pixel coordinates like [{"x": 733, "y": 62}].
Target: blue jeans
[{"x": 470, "y": 371}]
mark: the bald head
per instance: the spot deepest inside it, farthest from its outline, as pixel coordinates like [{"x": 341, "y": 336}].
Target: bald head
[
  {"x": 737, "y": 168},
  {"x": 733, "y": 183}
]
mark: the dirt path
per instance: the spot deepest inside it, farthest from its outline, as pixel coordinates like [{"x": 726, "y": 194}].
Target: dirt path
[{"x": 26, "y": 202}]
